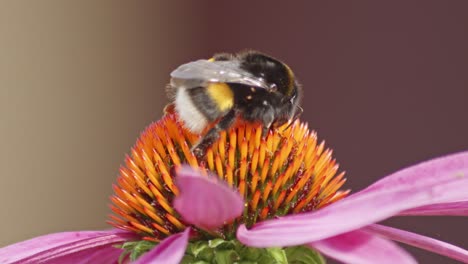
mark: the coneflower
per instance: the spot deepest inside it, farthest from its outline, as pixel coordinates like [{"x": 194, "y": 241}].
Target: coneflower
[
  {"x": 284, "y": 173},
  {"x": 254, "y": 199}
]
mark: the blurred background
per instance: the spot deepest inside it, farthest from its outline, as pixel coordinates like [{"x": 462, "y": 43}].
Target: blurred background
[{"x": 385, "y": 84}]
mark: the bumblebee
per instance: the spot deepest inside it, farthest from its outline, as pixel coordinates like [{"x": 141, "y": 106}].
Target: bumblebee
[{"x": 249, "y": 85}]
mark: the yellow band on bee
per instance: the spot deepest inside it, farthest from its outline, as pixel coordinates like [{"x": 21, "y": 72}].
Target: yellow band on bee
[{"x": 222, "y": 95}]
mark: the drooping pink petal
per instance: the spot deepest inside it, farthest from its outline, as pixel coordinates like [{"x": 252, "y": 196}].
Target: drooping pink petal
[
  {"x": 205, "y": 201},
  {"x": 62, "y": 247},
  {"x": 103, "y": 254},
  {"x": 420, "y": 241},
  {"x": 362, "y": 248},
  {"x": 421, "y": 173},
  {"x": 170, "y": 251},
  {"x": 369, "y": 206},
  {"x": 452, "y": 209}
]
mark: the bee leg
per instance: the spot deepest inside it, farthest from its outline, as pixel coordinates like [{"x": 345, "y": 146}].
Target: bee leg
[
  {"x": 199, "y": 150},
  {"x": 265, "y": 131},
  {"x": 267, "y": 121}
]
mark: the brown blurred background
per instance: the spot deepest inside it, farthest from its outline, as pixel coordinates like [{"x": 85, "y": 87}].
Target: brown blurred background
[{"x": 385, "y": 84}]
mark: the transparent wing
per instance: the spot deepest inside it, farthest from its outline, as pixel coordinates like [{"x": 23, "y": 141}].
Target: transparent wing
[{"x": 200, "y": 72}]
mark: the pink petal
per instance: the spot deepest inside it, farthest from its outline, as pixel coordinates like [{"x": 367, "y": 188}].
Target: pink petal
[
  {"x": 170, "y": 251},
  {"x": 68, "y": 247},
  {"x": 445, "y": 182},
  {"x": 363, "y": 248},
  {"x": 204, "y": 201},
  {"x": 453, "y": 209},
  {"x": 103, "y": 254},
  {"x": 420, "y": 241},
  {"x": 442, "y": 169}
]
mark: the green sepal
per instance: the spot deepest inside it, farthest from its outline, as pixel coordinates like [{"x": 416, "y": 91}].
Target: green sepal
[
  {"x": 303, "y": 255},
  {"x": 221, "y": 243},
  {"x": 278, "y": 255},
  {"x": 219, "y": 251},
  {"x": 226, "y": 256},
  {"x": 134, "y": 249}
]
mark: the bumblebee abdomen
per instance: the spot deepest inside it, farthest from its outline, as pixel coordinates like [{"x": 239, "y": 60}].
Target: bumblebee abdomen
[
  {"x": 189, "y": 111},
  {"x": 200, "y": 105}
]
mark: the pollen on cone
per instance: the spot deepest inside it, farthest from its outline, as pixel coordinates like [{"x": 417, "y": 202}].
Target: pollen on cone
[{"x": 286, "y": 172}]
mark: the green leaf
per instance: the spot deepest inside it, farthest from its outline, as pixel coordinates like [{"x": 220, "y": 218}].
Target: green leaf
[{"x": 303, "y": 255}]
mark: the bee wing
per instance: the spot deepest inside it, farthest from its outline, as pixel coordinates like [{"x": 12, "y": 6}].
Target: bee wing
[{"x": 200, "y": 72}]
